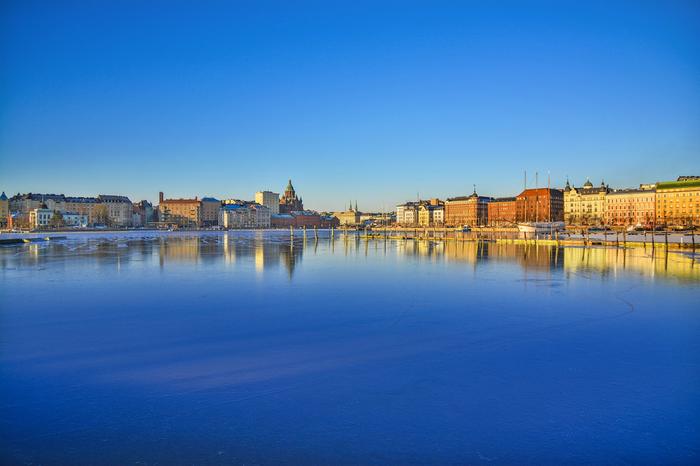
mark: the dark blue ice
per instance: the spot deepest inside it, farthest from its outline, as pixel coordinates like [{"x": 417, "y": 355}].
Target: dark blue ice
[{"x": 251, "y": 348}]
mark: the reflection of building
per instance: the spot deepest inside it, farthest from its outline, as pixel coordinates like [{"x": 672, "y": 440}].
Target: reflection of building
[
  {"x": 210, "y": 211},
  {"x": 469, "y": 210},
  {"x": 290, "y": 201},
  {"x": 611, "y": 261},
  {"x": 540, "y": 205},
  {"x": 501, "y": 211},
  {"x": 678, "y": 202},
  {"x": 183, "y": 212},
  {"x": 119, "y": 209},
  {"x": 270, "y": 200},
  {"x": 625, "y": 207},
  {"x": 585, "y": 205}
]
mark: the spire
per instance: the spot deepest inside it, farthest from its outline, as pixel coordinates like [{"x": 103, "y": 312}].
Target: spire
[
  {"x": 289, "y": 186},
  {"x": 356, "y": 206}
]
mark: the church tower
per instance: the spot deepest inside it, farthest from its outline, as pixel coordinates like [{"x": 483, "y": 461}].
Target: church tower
[{"x": 290, "y": 202}]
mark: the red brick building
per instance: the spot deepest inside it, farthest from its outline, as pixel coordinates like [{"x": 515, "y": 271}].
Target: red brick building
[
  {"x": 502, "y": 212},
  {"x": 467, "y": 210},
  {"x": 540, "y": 205}
]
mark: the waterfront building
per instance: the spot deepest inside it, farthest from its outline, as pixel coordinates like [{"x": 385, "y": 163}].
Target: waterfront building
[
  {"x": 678, "y": 202},
  {"x": 40, "y": 217},
  {"x": 306, "y": 218},
  {"x": 143, "y": 213},
  {"x": 26, "y": 202},
  {"x": 540, "y": 205},
  {"x": 182, "y": 212},
  {"x": 4, "y": 209},
  {"x": 631, "y": 207},
  {"x": 407, "y": 213},
  {"x": 210, "y": 211},
  {"x": 329, "y": 221},
  {"x": 75, "y": 219},
  {"x": 502, "y": 212},
  {"x": 469, "y": 210},
  {"x": 290, "y": 202},
  {"x": 282, "y": 221},
  {"x": 431, "y": 213},
  {"x": 350, "y": 216},
  {"x": 83, "y": 206},
  {"x": 119, "y": 209},
  {"x": 244, "y": 215},
  {"x": 585, "y": 205},
  {"x": 270, "y": 200}
]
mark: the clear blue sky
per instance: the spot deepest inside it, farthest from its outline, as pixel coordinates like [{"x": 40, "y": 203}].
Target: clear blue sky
[{"x": 352, "y": 100}]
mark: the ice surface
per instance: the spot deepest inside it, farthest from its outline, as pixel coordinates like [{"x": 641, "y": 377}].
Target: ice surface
[{"x": 251, "y": 347}]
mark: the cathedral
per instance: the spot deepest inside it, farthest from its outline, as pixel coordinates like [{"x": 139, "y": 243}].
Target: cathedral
[{"x": 289, "y": 202}]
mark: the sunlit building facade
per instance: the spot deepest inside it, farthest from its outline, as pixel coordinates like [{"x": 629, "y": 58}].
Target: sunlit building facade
[
  {"x": 585, "y": 205},
  {"x": 501, "y": 212},
  {"x": 678, "y": 202},
  {"x": 631, "y": 207},
  {"x": 469, "y": 210}
]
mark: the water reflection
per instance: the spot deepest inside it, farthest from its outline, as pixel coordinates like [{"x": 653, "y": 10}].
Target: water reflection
[{"x": 271, "y": 250}]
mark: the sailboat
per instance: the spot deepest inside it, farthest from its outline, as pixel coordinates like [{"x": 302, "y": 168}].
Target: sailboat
[{"x": 539, "y": 227}]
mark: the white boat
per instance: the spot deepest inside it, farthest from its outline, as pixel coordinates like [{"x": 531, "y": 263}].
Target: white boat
[{"x": 540, "y": 227}]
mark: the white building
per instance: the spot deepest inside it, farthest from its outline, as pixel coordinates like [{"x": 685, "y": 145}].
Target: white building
[
  {"x": 246, "y": 215},
  {"x": 407, "y": 214},
  {"x": 40, "y": 217},
  {"x": 270, "y": 200},
  {"x": 74, "y": 219}
]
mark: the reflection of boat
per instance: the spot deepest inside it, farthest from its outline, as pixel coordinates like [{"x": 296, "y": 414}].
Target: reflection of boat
[{"x": 540, "y": 227}]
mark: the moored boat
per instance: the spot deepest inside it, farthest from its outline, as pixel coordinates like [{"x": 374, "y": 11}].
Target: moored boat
[{"x": 540, "y": 227}]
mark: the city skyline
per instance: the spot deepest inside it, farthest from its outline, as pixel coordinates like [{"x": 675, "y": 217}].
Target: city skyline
[{"x": 375, "y": 103}]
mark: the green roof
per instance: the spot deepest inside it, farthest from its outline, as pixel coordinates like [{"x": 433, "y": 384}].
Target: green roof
[{"x": 677, "y": 184}]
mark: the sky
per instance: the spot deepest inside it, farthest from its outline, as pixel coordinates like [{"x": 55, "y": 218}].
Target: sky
[{"x": 378, "y": 102}]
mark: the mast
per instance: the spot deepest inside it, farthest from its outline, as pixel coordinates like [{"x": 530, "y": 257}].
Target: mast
[
  {"x": 549, "y": 196},
  {"x": 537, "y": 197}
]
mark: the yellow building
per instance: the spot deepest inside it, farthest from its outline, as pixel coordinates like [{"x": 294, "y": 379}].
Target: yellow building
[
  {"x": 431, "y": 213},
  {"x": 349, "y": 217},
  {"x": 631, "y": 207},
  {"x": 585, "y": 205},
  {"x": 183, "y": 212},
  {"x": 83, "y": 206},
  {"x": 678, "y": 202}
]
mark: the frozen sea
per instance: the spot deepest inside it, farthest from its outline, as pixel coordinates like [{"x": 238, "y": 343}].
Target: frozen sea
[{"x": 254, "y": 348}]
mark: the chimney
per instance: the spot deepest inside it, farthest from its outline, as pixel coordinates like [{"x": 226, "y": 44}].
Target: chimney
[{"x": 160, "y": 197}]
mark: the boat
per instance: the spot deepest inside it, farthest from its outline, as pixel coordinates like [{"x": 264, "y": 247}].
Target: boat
[{"x": 540, "y": 227}]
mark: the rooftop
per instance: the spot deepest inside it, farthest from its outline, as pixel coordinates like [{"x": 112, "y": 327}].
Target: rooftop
[{"x": 690, "y": 183}]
